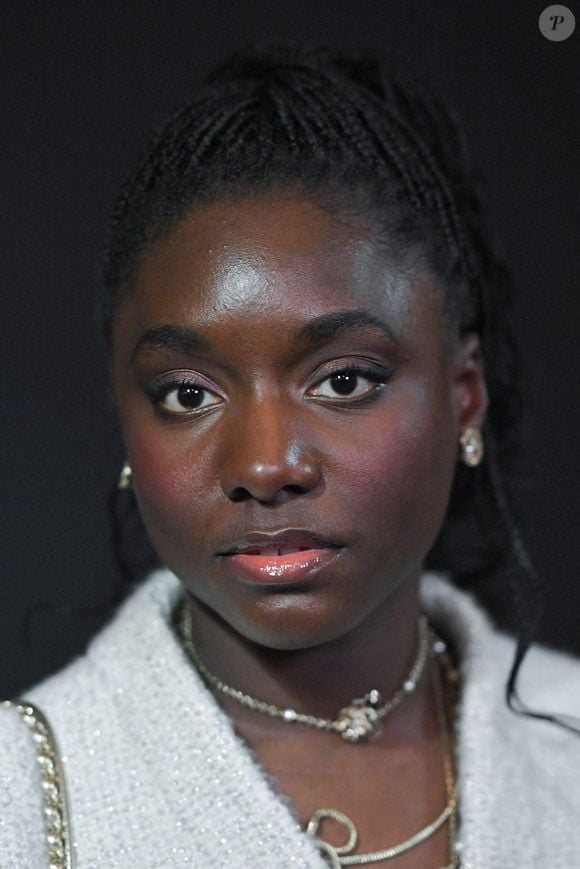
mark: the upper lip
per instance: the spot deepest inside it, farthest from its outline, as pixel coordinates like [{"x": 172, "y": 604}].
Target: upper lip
[{"x": 294, "y": 537}]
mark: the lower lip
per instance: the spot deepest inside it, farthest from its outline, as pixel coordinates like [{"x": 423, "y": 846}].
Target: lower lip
[{"x": 292, "y": 567}]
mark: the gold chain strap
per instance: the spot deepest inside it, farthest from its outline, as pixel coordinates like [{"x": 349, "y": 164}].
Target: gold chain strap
[{"x": 56, "y": 812}]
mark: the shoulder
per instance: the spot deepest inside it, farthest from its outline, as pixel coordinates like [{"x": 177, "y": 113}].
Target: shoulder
[
  {"x": 518, "y": 775},
  {"x": 137, "y": 635},
  {"x": 547, "y": 678},
  {"x": 124, "y": 659},
  {"x": 551, "y": 677},
  {"x": 79, "y": 701},
  {"x": 23, "y": 822}
]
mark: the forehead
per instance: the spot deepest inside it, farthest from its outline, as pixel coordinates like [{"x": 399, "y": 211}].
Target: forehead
[{"x": 274, "y": 256}]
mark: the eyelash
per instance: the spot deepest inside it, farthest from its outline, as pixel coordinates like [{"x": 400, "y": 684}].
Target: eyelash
[
  {"x": 158, "y": 392},
  {"x": 379, "y": 378}
]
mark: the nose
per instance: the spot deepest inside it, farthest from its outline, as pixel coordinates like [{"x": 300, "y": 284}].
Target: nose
[{"x": 266, "y": 455}]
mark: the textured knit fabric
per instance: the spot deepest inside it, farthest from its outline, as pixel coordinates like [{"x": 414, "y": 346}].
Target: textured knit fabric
[{"x": 158, "y": 779}]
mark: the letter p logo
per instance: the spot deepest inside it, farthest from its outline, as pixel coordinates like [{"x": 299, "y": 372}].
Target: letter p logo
[{"x": 557, "y": 23}]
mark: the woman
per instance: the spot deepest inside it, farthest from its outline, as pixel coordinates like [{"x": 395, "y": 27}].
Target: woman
[{"x": 300, "y": 301}]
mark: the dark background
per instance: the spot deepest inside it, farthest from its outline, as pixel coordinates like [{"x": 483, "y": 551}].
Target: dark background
[{"x": 82, "y": 85}]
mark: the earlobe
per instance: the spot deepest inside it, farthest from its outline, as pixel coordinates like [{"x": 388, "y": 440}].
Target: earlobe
[
  {"x": 125, "y": 477},
  {"x": 471, "y": 448}
]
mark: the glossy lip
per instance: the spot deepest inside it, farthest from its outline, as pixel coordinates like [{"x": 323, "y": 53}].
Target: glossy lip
[
  {"x": 254, "y": 557},
  {"x": 271, "y": 569}
]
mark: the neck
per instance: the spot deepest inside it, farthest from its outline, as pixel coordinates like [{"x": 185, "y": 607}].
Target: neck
[{"x": 319, "y": 680}]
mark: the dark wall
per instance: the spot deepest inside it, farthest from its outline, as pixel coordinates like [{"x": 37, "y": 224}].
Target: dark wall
[{"x": 82, "y": 85}]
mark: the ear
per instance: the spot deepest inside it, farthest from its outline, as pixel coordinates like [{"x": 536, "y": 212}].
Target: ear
[{"x": 469, "y": 388}]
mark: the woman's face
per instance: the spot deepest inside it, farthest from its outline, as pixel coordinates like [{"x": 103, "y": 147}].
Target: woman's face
[{"x": 275, "y": 370}]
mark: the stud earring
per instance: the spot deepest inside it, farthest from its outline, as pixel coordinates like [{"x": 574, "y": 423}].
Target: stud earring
[
  {"x": 471, "y": 447},
  {"x": 125, "y": 477}
]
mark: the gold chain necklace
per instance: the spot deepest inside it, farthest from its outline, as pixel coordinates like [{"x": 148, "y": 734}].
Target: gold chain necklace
[
  {"x": 361, "y": 719},
  {"x": 342, "y": 855}
]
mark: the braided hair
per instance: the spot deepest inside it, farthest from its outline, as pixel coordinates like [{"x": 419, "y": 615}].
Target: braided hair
[{"x": 361, "y": 139}]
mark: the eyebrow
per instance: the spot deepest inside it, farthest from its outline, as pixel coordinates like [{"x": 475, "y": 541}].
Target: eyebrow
[
  {"x": 317, "y": 331},
  {"x": 325, "y": 327},
  {"x": 178, "y": 338}
]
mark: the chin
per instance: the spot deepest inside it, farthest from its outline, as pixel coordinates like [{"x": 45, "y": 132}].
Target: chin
[{"x": 292, "y": 621}]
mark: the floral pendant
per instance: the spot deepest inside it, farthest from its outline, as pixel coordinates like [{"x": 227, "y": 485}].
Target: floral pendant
[{"x": 361, "y": 719}]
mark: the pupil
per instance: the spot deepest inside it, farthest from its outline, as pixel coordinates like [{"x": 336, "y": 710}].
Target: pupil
[
  {"x": 190, "y": 396},
  {"x": 343, "y": 383}
]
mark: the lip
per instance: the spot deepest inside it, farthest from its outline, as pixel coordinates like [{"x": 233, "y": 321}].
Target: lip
[
  {"x": 267, "y": 541},
  {"x": 255, "y": 557}
]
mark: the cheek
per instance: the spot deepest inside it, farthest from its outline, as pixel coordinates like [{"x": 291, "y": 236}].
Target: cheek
[
  {"x": 401, "y": 480},
  {"x": 167, "y": 487}
]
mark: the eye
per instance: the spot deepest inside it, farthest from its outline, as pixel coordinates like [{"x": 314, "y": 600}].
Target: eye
[
  {"x": 182, "y": 397},
  {"x": 346, "y": 383}
]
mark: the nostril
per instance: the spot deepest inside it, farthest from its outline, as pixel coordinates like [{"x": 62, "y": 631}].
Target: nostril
[
  {"x": 295, "y": 488},
  {"x": 240, "y": 494}
]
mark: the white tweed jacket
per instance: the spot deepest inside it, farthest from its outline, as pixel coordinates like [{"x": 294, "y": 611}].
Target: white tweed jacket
[{"x": 158, "y": 779}]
